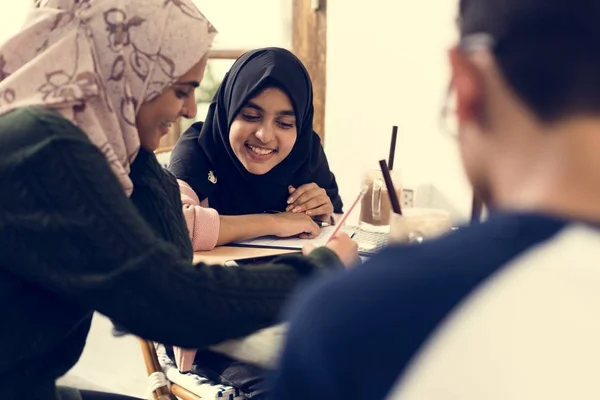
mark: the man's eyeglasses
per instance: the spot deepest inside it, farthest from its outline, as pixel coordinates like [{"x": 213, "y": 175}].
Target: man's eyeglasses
[{"x": 468, "y": 44}]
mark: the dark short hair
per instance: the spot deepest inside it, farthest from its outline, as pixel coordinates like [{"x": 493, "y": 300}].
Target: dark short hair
[{"x": 547, "y": 50}]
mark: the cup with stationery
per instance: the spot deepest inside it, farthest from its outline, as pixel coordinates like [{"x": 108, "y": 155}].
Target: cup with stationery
[
  {"x": 382, "y": 194},
  {"x": 413, "y": 225},
  {"x": 417, "y": 224},
  {"x": 376, "y": 208}
]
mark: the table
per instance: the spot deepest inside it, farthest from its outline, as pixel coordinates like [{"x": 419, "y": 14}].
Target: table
[{"x": 220, "y": 254}]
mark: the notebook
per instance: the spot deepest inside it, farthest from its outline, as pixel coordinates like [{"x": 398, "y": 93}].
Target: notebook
[
  {"x": 293, "y": 243},
  {"x": 369, "y": 243}
]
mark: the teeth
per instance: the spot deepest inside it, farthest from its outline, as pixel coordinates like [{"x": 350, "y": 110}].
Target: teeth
[{"x": 262, "y": 152}]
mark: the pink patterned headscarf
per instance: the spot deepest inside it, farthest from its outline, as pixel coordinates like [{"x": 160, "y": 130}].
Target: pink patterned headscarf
[{"x": 96, "y": 61}]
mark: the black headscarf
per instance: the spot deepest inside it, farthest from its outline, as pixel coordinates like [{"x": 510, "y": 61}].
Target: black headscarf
[{"x": 203, "y": 152}]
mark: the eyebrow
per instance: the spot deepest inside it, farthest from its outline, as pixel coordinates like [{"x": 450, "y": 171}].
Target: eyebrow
[
  {"x": 289, "y": 113},
  {"x": 194, "y": 84}
]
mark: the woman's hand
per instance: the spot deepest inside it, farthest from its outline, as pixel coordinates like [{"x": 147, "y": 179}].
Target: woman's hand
[
  {"x": 342, "y": 245},
  {"x": 311, "y": 200},
  {"x": 289, "y": 224}
]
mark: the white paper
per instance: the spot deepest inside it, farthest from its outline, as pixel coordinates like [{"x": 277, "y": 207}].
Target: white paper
[{"x": 295, "y": 242}]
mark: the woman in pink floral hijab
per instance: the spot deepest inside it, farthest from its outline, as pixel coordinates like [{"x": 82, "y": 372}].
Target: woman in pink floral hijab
[{"x": 99, "y": 63}]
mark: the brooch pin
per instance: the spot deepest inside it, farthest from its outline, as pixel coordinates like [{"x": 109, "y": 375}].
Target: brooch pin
[{"x": 211, "y": 177}]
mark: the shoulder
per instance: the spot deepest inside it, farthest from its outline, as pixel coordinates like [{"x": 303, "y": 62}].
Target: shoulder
[
  {"x": 150, "y": 179},
  {"x": 31, "y": 118},
  {"x": 194, "y": 129},
  {"x": 186, "y": 152},
  {"x": 187, "y": 144},
  {"x": 146, "y": 164},
  {"x": 34, "y": 128},
  {"x": 468, "y": 255},
  {"x": 386, "y": 308},
  {"x": 190, "y": 163}
]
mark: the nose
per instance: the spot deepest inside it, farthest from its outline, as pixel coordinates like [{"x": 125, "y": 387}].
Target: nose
[
  {"x": 265, "y": 133},
  {"x": 189, "y": 109}
]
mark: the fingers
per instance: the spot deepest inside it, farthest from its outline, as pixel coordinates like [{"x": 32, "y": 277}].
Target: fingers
[
  {"x": 310, "y": 199},
  {"x": 311, "y": 230},
  {"x": 341, "y": 236},
  {"x": 308, "y": 235},
  {"x": 322, "y": 207},
  {"x": 345, "y": 248},
  {"x": 308, "y": 195},
  {"x": 303, "y": 226},
  {"x": 300, "y": 191}
]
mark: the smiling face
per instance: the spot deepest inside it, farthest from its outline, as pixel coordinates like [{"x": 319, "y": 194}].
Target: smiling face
[
  {"x": 155, "y": 117},
  {"x": 264, "y": 132}
]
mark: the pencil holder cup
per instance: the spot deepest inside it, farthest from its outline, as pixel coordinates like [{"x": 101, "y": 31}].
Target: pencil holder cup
[
  {"x": 375, "y": 207},
  {"x": 418, "y": 224}
]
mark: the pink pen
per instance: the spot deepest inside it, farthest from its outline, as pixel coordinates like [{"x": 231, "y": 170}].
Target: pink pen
[{"x": 341, "y": 223}]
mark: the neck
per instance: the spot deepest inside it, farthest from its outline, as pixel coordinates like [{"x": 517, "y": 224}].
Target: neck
[{"x": 557, "y": 172}]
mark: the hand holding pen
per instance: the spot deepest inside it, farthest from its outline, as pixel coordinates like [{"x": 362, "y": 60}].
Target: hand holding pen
[{"x": 341, "y": 243}]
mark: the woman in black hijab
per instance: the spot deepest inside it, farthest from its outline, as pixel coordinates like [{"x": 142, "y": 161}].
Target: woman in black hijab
[{"x": 256, "y": 155}]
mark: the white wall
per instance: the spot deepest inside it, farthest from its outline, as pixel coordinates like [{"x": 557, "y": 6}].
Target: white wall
[
  {"x": 12, "y": 17},
  {"x": 386, "y": 65},
  {"x": 249, "y": 24},
  {"x": 269, "y": 24}
]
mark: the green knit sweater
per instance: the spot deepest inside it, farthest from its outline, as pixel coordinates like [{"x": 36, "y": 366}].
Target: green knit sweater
[{"x": 71, "y": 242}]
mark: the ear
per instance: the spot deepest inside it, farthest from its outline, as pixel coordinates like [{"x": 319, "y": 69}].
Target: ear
[{"x": 468, "y": 87}]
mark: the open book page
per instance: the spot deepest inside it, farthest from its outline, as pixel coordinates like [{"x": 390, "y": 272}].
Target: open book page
[{"x": 294, "y": 242}]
